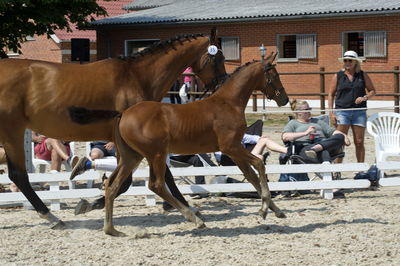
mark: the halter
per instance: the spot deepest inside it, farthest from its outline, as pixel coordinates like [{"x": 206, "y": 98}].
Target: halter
[
  {"x": 212, "y": 52},
  {"x": 269, "y": 83}
]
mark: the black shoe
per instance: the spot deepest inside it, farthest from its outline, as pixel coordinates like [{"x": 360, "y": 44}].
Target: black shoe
[
  {"x": 79, "y": 168},
  {"x": 265, "y": 156}
]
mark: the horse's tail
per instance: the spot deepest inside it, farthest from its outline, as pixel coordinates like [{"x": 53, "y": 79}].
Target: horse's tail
[{"x": 85, "y": 116}]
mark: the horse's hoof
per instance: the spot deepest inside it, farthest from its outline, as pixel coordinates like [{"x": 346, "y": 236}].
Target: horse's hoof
[
  {"x": 58, "y": 225},
  {"x": 201, "y": 225},
  {"x": 113, "y": 232},
  {"x": 280, "y": 215},
  {"x": 82, "y": 207},
  {"x": 262, "y": 213}
]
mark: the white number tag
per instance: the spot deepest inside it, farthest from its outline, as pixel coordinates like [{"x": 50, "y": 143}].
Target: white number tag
[{"x": 212, "y": 50}]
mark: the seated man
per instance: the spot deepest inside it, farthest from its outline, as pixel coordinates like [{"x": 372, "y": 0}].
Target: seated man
[
  {"x": 315, "y": 134},
  {"x": 98, "y": 150}
]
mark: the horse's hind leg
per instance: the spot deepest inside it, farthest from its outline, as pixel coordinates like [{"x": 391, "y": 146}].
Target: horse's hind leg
[
  {"x": 157, "y": 185},
  {"x": 14, "y": 147}
]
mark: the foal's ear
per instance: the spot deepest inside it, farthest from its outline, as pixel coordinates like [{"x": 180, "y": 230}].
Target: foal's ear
[
  {"x": 213, "y": 36},
  {"x": 271, "y": 57}
]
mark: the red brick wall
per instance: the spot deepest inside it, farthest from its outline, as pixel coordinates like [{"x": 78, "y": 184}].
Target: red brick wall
[
  {"x": 41, "y": 48},
  {"x": 329, "y": 46}
]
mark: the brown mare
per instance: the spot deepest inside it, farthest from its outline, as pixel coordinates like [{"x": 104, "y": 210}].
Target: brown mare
[
  {"x": 36, "y": 94},
  {"x": 152, "y": 130}
]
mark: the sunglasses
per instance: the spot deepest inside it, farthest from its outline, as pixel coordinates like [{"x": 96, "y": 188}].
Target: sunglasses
[{"x": 347, "y": 60}]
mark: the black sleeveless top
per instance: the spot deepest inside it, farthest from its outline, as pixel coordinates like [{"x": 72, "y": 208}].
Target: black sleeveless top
[{"x": 348, "y": 91}]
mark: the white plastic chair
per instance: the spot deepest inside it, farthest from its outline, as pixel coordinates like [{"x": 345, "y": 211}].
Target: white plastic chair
[
  {"x": 43, "y": 163},
  {"x": 385, "y": 128}
]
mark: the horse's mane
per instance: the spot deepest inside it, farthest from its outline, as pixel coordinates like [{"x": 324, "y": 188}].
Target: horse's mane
[
  {"x": 237, "y": 70},
  {"x": 162, "y": 44}
]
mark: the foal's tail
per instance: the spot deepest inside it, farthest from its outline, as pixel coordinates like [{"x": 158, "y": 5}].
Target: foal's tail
[{"x": 83, "y": 116}]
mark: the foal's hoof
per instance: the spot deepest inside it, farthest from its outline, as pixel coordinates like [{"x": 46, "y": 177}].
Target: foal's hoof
[
  {"x": 113, "y": 232},
  {"x": 280, "y": 215},
  {"x": 83, "y": 207},
  {"x": 201, "y": 225},
  {"x": 262, "y": 213},
  {"x": 58, "y": 225}
]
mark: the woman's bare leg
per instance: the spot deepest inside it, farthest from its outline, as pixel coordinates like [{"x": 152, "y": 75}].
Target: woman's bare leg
[
  {"x": 345, "y": 130},
  {"x": 358, "y": 136},
  {"x": 265, "y": 142},
  {"x": 58, "y": 147}
]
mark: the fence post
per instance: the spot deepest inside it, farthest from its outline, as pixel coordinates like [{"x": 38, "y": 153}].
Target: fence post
[
  {"x": 254, "y": 103},
  {"x": 396, "y": 88},
  {"x": 322, "y": 89}
]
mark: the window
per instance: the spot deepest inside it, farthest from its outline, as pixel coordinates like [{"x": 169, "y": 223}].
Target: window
[
  {"x": 297, "y": 46},
  {"x": 230, "y": 47},
  {"x": 366, "y": 43},
  {"x": 134, "y": 46},
  {"x": 80, "y": 50}
]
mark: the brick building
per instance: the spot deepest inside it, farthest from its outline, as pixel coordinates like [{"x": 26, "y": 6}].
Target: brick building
[
  {"x": 66, "y": 47},
  {"x": 306, "y": 34}
]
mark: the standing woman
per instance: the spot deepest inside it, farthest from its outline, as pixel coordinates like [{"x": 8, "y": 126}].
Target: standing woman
[{"x": 351, "y": 88}]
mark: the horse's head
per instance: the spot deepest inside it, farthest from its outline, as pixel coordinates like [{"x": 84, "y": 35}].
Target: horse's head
[
  {"x": 273, "y": 88},
  {"x": 210, "y": 67}
]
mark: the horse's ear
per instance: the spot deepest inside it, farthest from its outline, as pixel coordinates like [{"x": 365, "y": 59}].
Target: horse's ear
[
  {"x": 271, "y": 57},
  {"x": 213, "y": 36},
  {"x": 274, "y": 56}
]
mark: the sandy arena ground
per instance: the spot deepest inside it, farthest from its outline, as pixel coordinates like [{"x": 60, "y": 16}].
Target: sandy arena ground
[{"x": 360, "y": 229}]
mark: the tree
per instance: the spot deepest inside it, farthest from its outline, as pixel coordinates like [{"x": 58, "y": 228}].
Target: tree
[{"x": 22, "y": 18}]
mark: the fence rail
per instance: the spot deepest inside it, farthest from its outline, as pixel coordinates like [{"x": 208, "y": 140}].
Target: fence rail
[{"x": 322, "y": 94}]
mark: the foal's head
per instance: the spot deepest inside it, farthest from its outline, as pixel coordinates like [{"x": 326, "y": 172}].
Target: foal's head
[
  {"x": 273, "y": 88},
  {"x": 211, "y": 65}
]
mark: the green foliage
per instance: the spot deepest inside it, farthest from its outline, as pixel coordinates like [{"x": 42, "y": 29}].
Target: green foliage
[{"x": 22, "y": 18}]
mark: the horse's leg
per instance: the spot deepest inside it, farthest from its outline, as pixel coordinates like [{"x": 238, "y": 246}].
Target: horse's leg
[
  {"x": 157, "y": 185},
  {"x": 14, "y": 148},
  {"x": 85, "y": 206},
  {"x": 243, "y": 158},
  {"x": 113, "y": 186},
  {"x": 169, "y": 179}
]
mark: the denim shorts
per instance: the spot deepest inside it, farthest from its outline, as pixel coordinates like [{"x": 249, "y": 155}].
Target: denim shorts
[{"x": 354, "y": 117}]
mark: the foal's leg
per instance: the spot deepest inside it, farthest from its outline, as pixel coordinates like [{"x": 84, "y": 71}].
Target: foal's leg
[
  {"x": 85, "y": 206},
  {"x": 113, "y": 186},
  {"x": 243, "y": 158},
  {"x": 14, "y": 147},
  {"x": 157, "y": 185}
]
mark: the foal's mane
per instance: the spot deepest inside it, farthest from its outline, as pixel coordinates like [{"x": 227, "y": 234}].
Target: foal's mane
[
  {"x": 162, "y": 45},
  {"x": 237, "y": 70}
]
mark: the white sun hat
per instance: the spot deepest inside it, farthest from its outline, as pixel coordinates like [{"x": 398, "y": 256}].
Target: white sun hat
[{"x": 351, "y": 55}]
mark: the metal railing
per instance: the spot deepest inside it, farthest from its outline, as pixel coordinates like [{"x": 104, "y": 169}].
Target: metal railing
[{"x": 322, "y": 94}]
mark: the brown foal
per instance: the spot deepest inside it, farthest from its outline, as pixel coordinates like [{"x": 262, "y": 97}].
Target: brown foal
[
  {"x": 36, "y": 94},
  {"x": 152, "y": 130}
]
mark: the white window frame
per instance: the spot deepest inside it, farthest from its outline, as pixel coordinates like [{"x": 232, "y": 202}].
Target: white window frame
[
  {"x": 136, "y": 40},
  {"x": 312, "y": 55},
  {"x": 345, "y": 45},
  {"x": 236, "y": 52}
]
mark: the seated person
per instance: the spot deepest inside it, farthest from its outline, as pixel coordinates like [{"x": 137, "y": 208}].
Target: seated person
[
  {"x": 3, "y": 158},
  {"x": 53, "y": 150},
  {"x": 314, "y": 134},
  {"x": 255, "y": 143},
  {"x": 193, "y": 159},
  {"x": 98, "y": 150}
]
